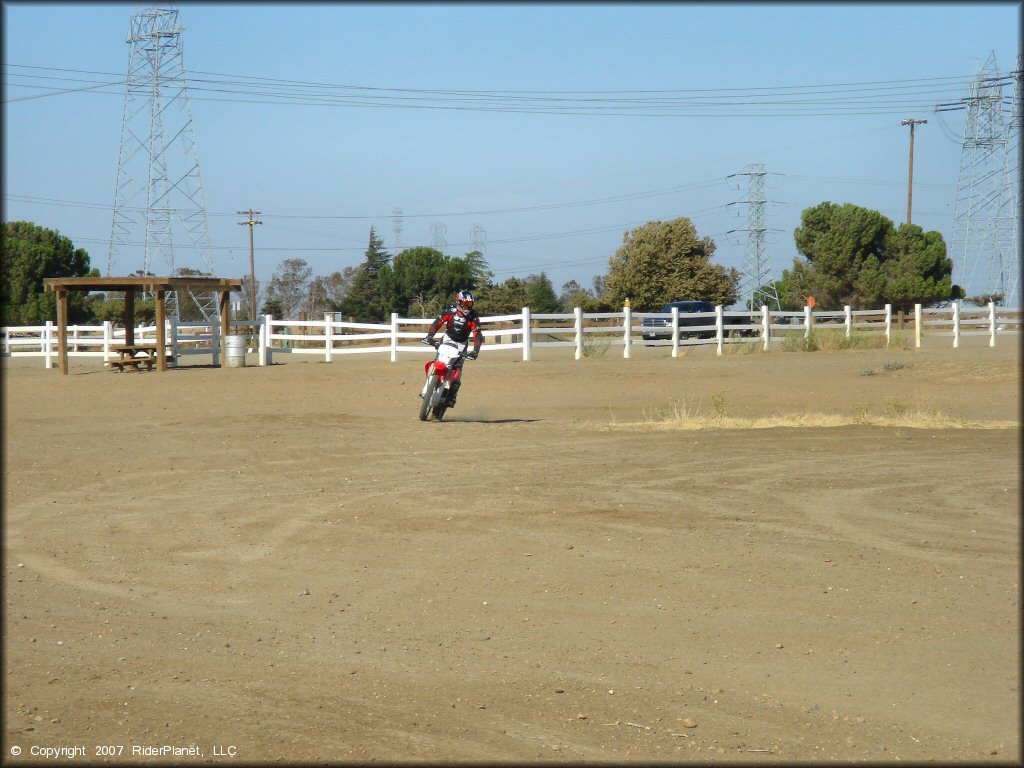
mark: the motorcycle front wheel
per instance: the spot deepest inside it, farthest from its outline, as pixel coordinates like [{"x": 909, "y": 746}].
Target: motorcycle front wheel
[
  {"x": 441, "y": 407},
  {"x": 428, "y": 396}
]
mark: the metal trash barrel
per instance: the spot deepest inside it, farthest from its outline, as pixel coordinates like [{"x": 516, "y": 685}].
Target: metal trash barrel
[{"x": 234, "y": 355}]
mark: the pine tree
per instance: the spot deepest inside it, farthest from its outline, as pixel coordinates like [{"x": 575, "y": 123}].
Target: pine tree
[{"x": 376, "y": 255}]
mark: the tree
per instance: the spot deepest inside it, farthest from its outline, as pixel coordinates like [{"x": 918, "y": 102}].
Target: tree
[
  {"x": 377, "y": 256},
  {"x": 479, "y": 270},
  {"x": 665, "y": 261},
  {"x": 326, "y": 293},
  {"x": 983, "y": 299},
  {"x": 856, "y": 256},
  {"x": 540, "y": 294},
  {"x": 362, "y": 299},
  {"x": 28, "y": 254},
  {"x": 289, "y": 287},
  {"x": 502, "y": 298},
  {"x": 421, "y": 275}
]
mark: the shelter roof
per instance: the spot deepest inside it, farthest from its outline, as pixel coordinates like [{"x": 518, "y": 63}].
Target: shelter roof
[{"x": 147, "y": 283}]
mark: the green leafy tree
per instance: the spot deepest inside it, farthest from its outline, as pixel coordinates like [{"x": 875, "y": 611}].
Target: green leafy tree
[
  {"x": 419, "y": 276},
  {"x": 983, "y": 299},
  {"x": 273, "y": 308},
  {"x": 856, "y": 256},
  {"x": 540, "y": 294},
  {"x": 665, "y": 261},
  {"x": 503, "y": 298},
  {"x": 29, "y": 254}
]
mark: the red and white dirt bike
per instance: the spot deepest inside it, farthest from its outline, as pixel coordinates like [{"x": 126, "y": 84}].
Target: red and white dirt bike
[{"x": 442, "y": 373}]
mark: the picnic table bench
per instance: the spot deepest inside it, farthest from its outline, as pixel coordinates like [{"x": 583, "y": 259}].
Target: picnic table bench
[{"x": 134, "y": 355}]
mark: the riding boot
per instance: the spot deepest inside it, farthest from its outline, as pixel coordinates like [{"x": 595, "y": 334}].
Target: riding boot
[{"x": 452, "y": 393}]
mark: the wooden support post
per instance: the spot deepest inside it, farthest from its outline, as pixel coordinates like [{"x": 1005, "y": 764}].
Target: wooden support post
[
  {"x": 161, "y": 334},
  {"x": 225, "y": 326},
  {"x": 128, "y": 317},
  {"x": 62, "y": 331}
]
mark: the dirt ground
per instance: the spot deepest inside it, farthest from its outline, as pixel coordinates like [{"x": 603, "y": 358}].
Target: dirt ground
[{"x": 285, "y": 564}]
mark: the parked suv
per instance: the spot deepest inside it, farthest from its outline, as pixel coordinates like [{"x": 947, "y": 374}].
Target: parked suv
[{"x": 660, "y": 328}]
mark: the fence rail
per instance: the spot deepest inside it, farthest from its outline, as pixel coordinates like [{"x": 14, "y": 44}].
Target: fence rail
[{"x": 523, "y": 331}]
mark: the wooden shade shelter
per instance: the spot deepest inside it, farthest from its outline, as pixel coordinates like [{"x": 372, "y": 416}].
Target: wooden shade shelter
[{"x": 158, "y": 286}]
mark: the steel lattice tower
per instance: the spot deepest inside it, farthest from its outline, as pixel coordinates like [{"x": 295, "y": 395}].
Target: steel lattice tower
[
  {"x": 755, "y": 287},
  {"x": 440, "y": 236},
  {"x": 987, "y": 201},
  {"x": 158, "y": 147},
  {"x": 396, "y": 222},
  {"x": 479, "y": 239}
]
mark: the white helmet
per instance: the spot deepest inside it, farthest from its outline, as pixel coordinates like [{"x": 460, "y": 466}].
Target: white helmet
[{"x": 464, "y": 301}]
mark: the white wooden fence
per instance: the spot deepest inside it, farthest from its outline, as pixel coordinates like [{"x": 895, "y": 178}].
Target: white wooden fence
[
  {"x": 183, "y": 339},
  {"x": 525, "y": 331}
]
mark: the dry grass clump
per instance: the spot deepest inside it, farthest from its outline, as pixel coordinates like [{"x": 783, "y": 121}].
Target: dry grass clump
[
  {"x": 690, "y": 413},
  {"x": 836, "y": 340}
]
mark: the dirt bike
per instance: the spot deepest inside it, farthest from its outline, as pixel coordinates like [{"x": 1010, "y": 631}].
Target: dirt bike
[{"x": 442, "y": 373}]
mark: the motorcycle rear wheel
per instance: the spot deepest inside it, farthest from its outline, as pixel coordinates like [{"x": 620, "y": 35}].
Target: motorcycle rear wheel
[{"x": 428, "y": 396}]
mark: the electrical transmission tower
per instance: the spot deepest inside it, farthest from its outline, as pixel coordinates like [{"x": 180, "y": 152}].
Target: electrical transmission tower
[
  {"x": 158, "y": 197},
  {"x": 988, "y": 199},
  {"x": 479, "y": 238},
  {"x": 396, "y": 222},
  {"x": 755, "y": 286},
  {"x": 440, "y": 236}
]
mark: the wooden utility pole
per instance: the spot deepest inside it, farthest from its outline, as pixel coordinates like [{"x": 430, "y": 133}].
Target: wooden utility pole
[
  {"x": 910, "y": 173},
  {"x": 252, "y": 264}
]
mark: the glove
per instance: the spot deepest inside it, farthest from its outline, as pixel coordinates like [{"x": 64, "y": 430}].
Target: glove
[
  {"x": 472, "y": 355},
  {"x": 429, "y": 342}
]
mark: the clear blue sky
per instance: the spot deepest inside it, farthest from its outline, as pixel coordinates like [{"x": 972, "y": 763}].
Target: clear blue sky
[{"x": 553, "y": 191}]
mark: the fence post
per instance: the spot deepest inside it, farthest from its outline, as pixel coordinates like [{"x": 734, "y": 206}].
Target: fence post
[
  {"x": 215, "y": 342},
  {"x": 74, "y": 338},
  {"x": 917, "y": 326},
  {"x": 675, "y": 331},
  {"x": 261, "y": 345},
  {"x": 578, "y": 325},
  {"x": 108, "y": 332},
  {"x": 328, "y": 337},
  {"x": 268, "y": 343},
  {"x": 766, "y": 325},
  {"x": 627, "y": 326},
  {"x": 527, "y": 334},
  {"x": 807, "y": 322},
  {"x": 48, "y": 343},
  {"x": 849, "y": 319},
  {"x": 888, "y": 323},
  {"x": 956, "y": 325},
  {"x": 719, "y": 328},
  {"x": 991, "y": 323},
  {"x": 394, "y": 337}
]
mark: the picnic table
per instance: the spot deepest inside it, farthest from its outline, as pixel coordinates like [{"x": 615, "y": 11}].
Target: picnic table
[{"x": 135, "y": 355}]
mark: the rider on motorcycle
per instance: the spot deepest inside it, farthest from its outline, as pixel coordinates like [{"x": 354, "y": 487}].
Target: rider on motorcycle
[{"x": 461, "y": 320}]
